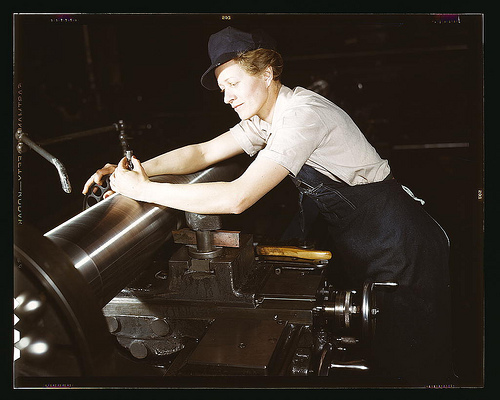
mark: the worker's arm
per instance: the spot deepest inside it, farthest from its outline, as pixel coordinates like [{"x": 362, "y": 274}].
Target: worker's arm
[
  {"x": 202, "y": 198},
  {"x": 195, "y": 157},
  {"x": 185, "y": 160}
]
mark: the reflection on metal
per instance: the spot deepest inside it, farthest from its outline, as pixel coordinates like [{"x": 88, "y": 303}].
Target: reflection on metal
[
  {"x": 111, "y": 242},
  {"x": 114, "y": 238}
]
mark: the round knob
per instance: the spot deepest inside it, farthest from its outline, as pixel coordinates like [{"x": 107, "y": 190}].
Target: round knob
[
  {"x": 138, "y": 349},
  {"x": 160, "y": 327}
]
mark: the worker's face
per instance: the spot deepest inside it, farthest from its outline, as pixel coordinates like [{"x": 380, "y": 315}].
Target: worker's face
[{"x": 248, "y": 95}]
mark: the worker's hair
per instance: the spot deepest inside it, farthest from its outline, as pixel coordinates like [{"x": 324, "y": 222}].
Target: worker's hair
[{"x": 254, "y": 62}]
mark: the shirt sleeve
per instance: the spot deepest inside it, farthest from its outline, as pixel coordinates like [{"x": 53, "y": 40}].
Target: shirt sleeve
[
  {"x": 295, "y": 137},
  {"x": 249, "y": 136}
]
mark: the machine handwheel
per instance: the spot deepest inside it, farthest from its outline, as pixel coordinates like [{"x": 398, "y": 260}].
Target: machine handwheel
[
  {"x": 369, "y": 308},
  {"x": 96, "y": 192}
]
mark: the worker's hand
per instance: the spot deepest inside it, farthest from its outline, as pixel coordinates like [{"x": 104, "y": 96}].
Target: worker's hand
[
  {"x": 97, "y": 178},
  {"x": 129, "y": 183}
]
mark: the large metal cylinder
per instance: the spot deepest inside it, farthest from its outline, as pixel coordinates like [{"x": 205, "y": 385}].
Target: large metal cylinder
[{"x": 113, "y": 241}]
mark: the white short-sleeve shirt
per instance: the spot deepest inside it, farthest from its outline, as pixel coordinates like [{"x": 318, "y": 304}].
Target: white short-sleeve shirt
[{"x": 309, "y": 129}]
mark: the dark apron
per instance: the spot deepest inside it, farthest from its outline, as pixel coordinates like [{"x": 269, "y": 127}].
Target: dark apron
[{"x": 380, "y": 233}]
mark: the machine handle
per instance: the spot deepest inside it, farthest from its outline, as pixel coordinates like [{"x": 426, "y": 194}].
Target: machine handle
[
  {"x": 360, "y": 365},
  {"x": 291, "y": 251},
  {"x": 63, "y": 175}
]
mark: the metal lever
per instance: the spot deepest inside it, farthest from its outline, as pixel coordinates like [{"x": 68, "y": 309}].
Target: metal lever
[{"x": 63, "y": 175}]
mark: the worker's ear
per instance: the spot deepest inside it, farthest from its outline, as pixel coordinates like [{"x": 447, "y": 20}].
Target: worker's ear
[{"x": 268, "y": 75}]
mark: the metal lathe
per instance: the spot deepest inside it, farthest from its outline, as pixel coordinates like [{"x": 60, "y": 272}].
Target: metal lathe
[{"x": 132, "y": 289}]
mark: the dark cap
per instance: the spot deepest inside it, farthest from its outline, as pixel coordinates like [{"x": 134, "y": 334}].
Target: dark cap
[{"x": 226, "y": 44}]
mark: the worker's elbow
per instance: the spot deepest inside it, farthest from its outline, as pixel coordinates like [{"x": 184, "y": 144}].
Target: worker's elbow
[
  {"x": 240, "y": 204},
  {"x": 238, "y": 210},
  {"x": 240, "y": 197}
]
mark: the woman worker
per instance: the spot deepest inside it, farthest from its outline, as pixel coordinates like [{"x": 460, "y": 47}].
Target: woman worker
[{"x": 379, "y": 231}]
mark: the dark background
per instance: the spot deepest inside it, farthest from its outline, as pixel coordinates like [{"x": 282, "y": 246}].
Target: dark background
[{"x": 406, "y": 80}]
